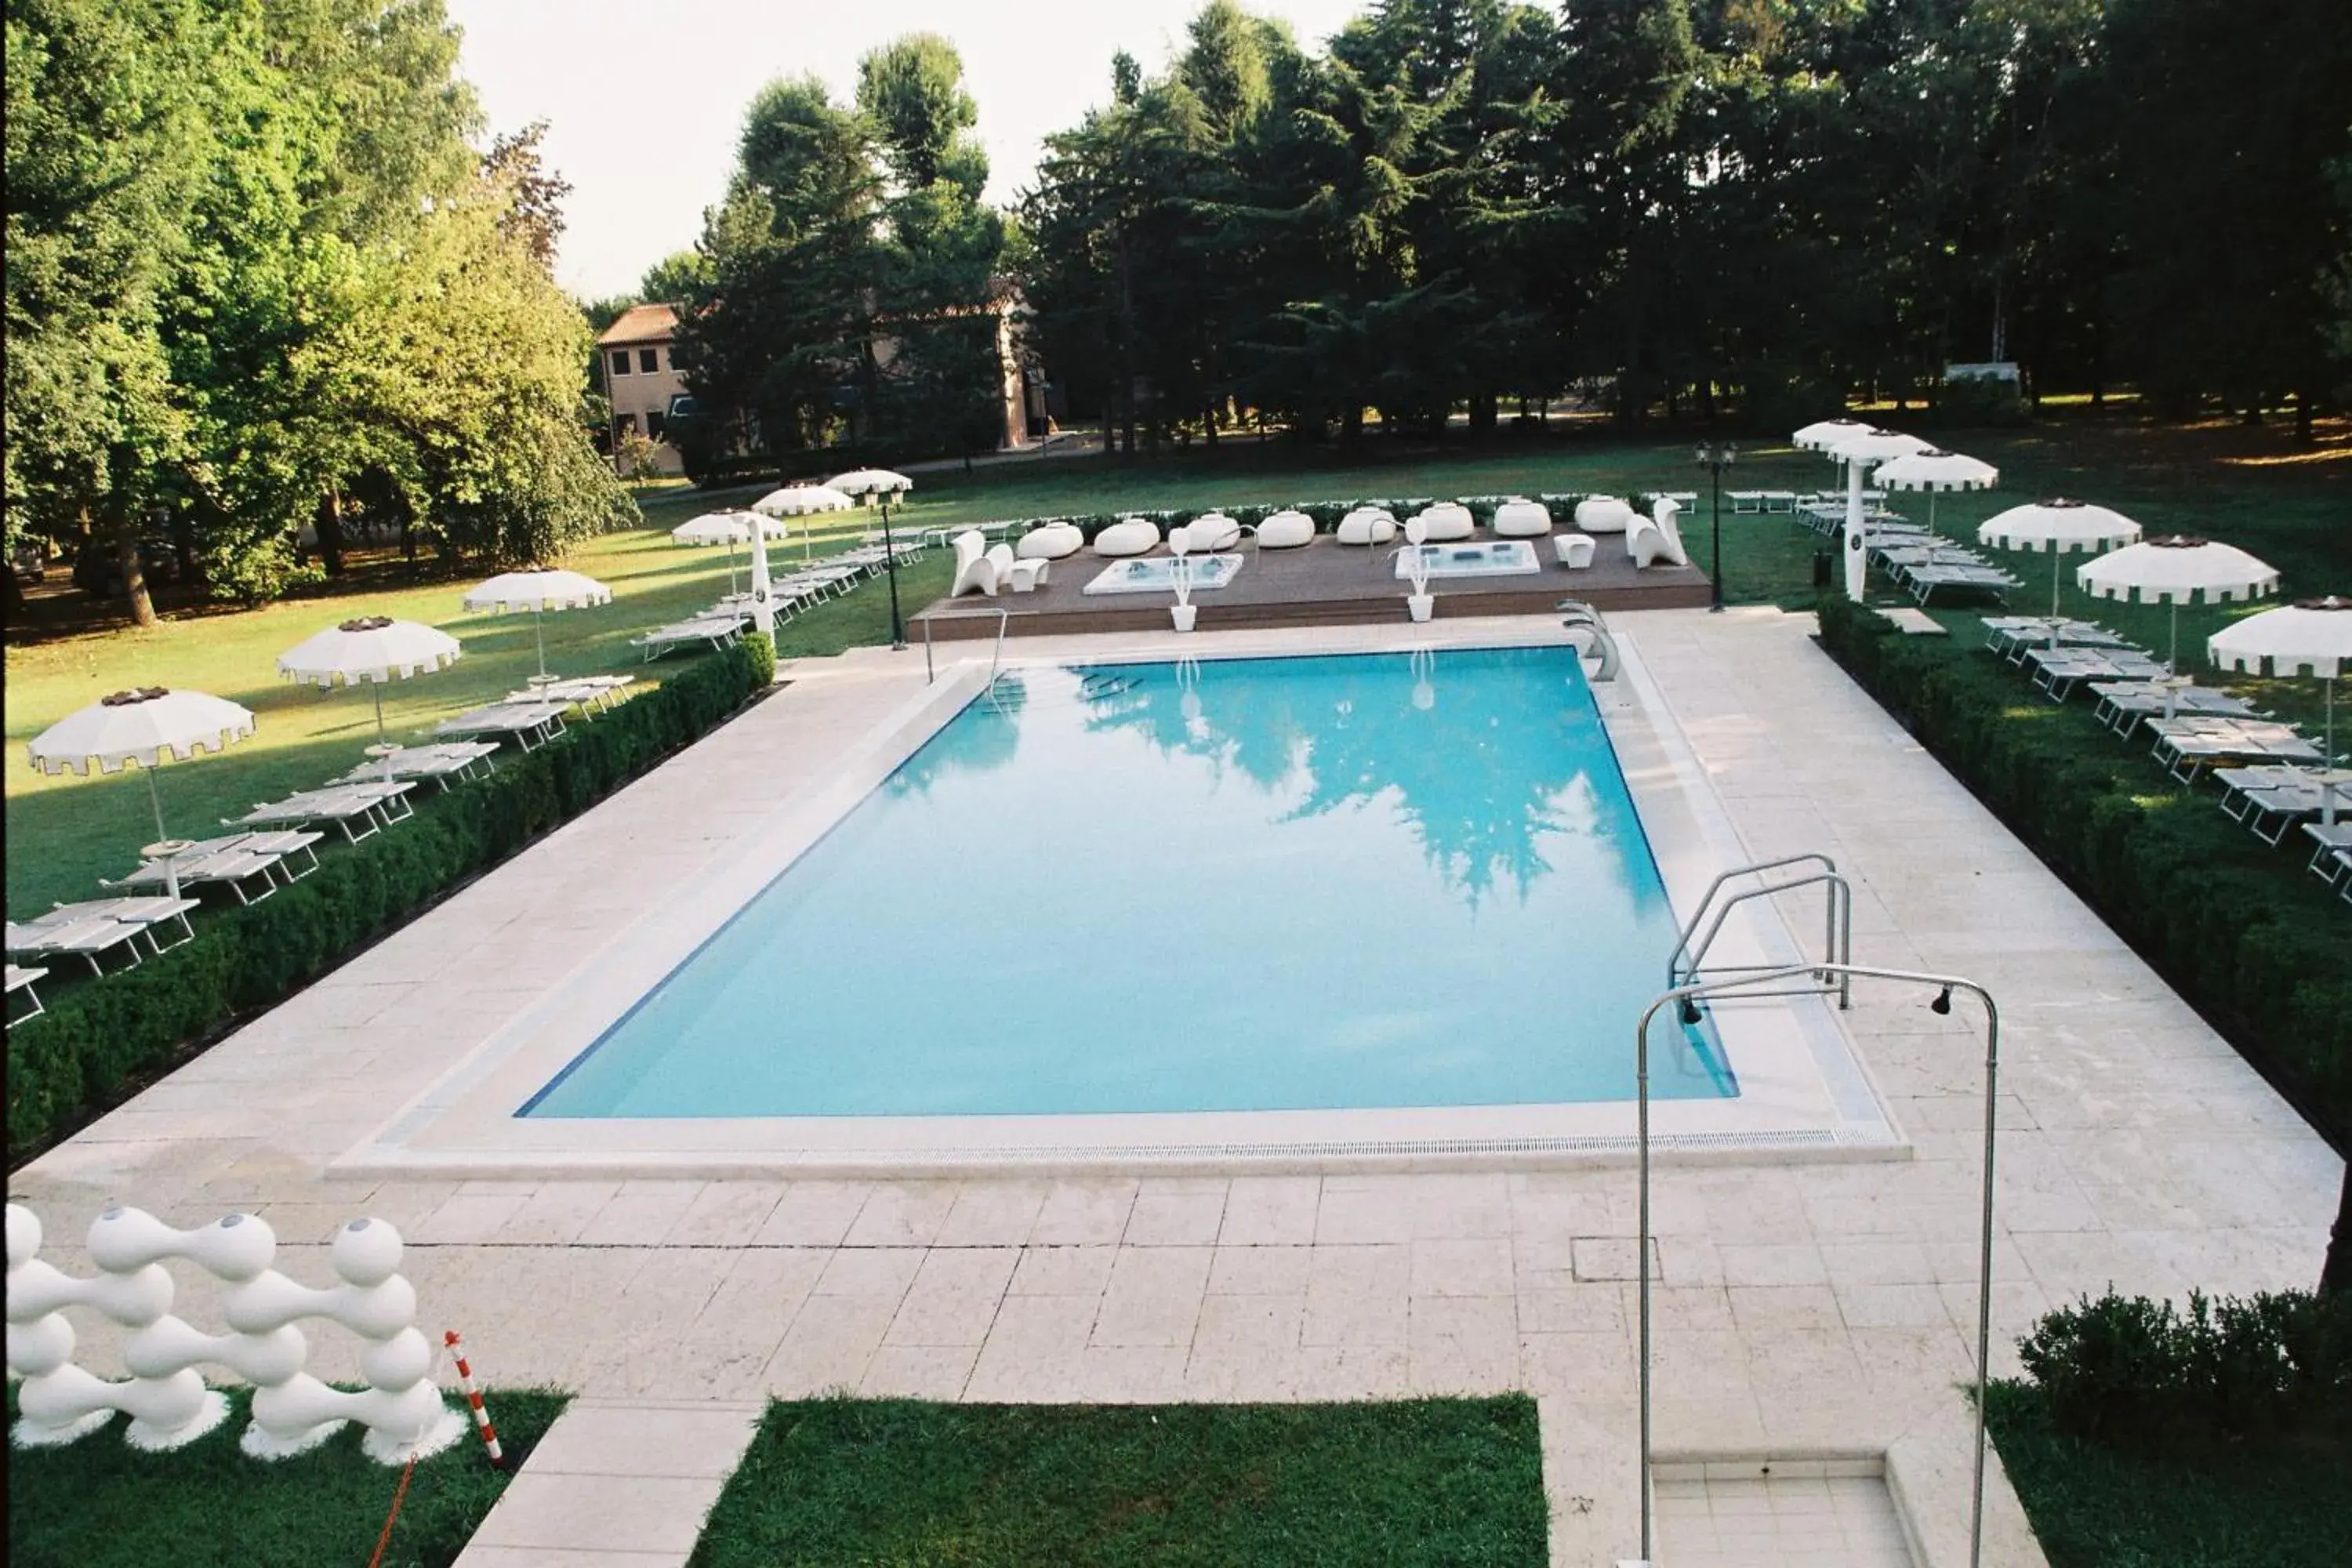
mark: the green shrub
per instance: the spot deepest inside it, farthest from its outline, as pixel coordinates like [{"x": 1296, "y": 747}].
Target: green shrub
[
  {"x": 2234, "y": 925},
  {"x": 2134, "y": 1372},
  {"x": 1975, "y": 402},
  {"x": 95, "y": 1038}
]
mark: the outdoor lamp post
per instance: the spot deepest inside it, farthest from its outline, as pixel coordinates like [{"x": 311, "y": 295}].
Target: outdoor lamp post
[
  {"x": 1714, "y": 456},
  {"x": 890, "y": 564}
]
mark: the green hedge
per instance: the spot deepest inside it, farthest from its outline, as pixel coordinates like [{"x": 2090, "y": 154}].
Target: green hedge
[
  {"x": 2123, "y": 1370},
  {"x": 2235, "y": 925},
  {"x": 72, "y": 1060}
]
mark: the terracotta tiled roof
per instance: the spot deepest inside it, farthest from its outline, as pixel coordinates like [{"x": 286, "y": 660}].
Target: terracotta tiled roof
[{"x": 642, "y": 325}]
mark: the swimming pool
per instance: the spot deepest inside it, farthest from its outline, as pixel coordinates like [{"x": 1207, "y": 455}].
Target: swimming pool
[{"x": 1401, "y": 880}]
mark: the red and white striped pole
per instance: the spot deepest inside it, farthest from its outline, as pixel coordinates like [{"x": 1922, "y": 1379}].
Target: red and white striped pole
[{"x": 473, "y": 1397}]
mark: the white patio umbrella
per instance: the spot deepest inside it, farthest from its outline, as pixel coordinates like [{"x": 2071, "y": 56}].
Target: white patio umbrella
[
  {"x": 374, "y": 649},
  {"x": 1825, "y": 434},
  {"x": 729, "y": 529},
  {"x": 1932, "y": 470},
  {"x": 139, "y": 729},
  {"x": 882, "y": 484},
  {"x": 1857, "y": 453},
  {"x": 2177, "y": 570},
  {"x": 792, "y": 501},
  {"x": 2310, "y": 637},
  {"x": 2060, "y": 526},
  {"x": 539, "y": 590}
]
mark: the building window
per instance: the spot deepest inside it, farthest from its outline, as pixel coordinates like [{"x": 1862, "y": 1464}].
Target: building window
[
  {"x": 620, "y": 362},
  {"x": 623, "y": 424},
  {"x": 654, "y": 424},
  {"x": 649, "y": 360}
]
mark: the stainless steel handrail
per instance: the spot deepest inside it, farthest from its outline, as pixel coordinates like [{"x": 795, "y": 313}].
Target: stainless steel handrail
[{"x": 1683, "y": 965}]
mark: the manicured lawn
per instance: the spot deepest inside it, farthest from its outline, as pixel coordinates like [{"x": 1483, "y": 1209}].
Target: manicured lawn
[
  {"x": 2096, "y": 1508},
  {"x": 99, "y": 1503},
  {"x": 66, "y": 831},
  {"x": 1454, "y": 1481}
]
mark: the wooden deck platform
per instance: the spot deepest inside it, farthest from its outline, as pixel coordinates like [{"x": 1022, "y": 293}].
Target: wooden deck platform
[{"x": 1323, "y": 583}]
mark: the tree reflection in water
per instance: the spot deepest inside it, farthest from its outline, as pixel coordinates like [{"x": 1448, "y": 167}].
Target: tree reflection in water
[{"x": 1481, "y": 771}]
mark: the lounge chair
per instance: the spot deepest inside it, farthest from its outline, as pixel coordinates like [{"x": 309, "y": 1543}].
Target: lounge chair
[
  {"x": 2331, "y": 859},
  {"x": 21, "y": 979},
  {"x": 1521, "y": 519},
  {"x": 377, "y": 805},
  {"x": 1573, "y": 550},
  {"x": 531, "y": 723},
  {"x": 441, "y": 763},
  {"x": 1652, "y": 540},
  {"x": 230, "y": 862},
  {"x": 719, "y": 627},
  {"x": 1445, "y": 523},
  {"x": 1021, "y": 576},
  {"x": 2189, "y": 744},
  {"x": 99, "y": 925},
  {"x": 2124, "y": 703},
  {"x": 591, "y": 694},
  {"x": 1604, "y": 514},
  {"x": 1923, "y": 581},
  {"x": 1367, "y": 525},
  {"x": 1211, "y": 532},
  {"x": 1287, "y": 530},
  {"x": 1130, "y": 536},
  {"x": 1052, "y": 541}
]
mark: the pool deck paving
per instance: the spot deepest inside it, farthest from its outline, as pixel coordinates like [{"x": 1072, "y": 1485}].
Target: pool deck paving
[{"x": 1805, "y": 1310}]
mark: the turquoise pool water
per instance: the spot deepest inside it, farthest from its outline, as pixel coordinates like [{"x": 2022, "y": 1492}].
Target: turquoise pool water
[{"x": 1371, "y": 880}]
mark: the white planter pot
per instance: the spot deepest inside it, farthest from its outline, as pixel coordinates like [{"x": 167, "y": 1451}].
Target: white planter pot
[
  {"x": 1421, "y": 604},
  {"x": 1183, "y": 615}
]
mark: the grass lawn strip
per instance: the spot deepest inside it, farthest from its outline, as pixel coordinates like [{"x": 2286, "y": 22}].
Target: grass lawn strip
[
  {"x": 1454, "y": 1481},
  {"x": 2094, "y": 1507},
  {"x": 101, "y": 1503}
]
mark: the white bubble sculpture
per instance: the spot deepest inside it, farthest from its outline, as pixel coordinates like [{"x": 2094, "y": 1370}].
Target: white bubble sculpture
[{"x": 167, "y": 1400}]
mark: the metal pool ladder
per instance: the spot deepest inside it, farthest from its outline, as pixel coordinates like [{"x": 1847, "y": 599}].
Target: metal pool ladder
[
  {"x": 1688, "y": 966},
  {"x": 1003, "y": 619},
  {"x": 1579, "y": 616}
]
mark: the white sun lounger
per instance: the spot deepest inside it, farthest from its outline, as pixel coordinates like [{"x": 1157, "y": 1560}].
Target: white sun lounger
[
  {"x": 376, "y": 803},
  {"x": 533, "y": 723},
  {"x": 2060, "y": 670},
  {"x": 1923, "y": 581},
  {"x": 21, "y": 979},
  {"x": 2331, "y": 856},
  {"x": 592, "y": 694},
  {"x": 2124, "y": 703},
  {"x": 2187, "y": 745},
  {"x": 2012, "y": 636},
  {"x": 98, "y": 925},
  {"x": 231, "y": 862},
  {"x": 440, "y": 763},
  {"x": 718, "y": 628}
]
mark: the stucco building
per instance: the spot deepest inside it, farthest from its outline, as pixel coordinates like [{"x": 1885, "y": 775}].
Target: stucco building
[{"x": 641, "y": 378}]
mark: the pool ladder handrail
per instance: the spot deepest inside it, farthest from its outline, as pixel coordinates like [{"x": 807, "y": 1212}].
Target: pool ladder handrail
[
  {"x": 1684, "y": 968},
  {"x": 1003, "y": 619},
  {"x": 1575, "y": 616}
]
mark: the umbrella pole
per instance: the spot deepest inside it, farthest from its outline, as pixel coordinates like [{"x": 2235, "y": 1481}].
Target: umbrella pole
[
  {"x": 2054, "y": 589},
  {"x": 2172, "y": 653},
  {"x": 539, "y": 634},
  {"x": 2326, "y": 763},
  {"x": 377, "y": 687},
  {"x": 156, "y": 800}
]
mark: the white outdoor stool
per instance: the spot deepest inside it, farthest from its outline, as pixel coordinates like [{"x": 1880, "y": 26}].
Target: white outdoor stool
[{"x": 1574, "y": 550}]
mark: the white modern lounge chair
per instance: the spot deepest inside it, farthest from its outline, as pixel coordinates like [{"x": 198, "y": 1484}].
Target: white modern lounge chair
[
  {"x": 975, "y": 572},
  {"x": 1367, "y": 525},
  {"x": 1573, "y": 550},
  {"x": 1053, "y": 541},
  {"x": 1130, "y": 536},
  {"x": 1521, "y": 519},
  {"x": 1603, "y": 514},
  {"x": 1211, "y": 532},
  {"x": 1446, "y": 521},
  {"x": 1286, "y": 530}
]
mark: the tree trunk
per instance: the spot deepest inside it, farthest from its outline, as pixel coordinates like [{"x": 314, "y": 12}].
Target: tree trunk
[
  {"x": 331, "y": 532},
  {"x": 2302, "y": 418},
  {"x": 1352, "y": 425},
  {"x": 134, "y": 572},
  {"x": 1209, "y": 425},
  {"x": 1483, "y": 413},
  {"x": 15, "y": 597},
  {"x": 2335, "y": 1277}
]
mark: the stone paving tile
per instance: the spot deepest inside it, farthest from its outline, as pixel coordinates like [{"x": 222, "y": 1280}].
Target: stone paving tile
[
  {"x": 902, "y": 1213},
  {"x": 727, "y": 1214},
  {"x": 641, "y": 1213},
  {"x": 831, "y": 1343},
  {"x": 557, "y": 1213},
  {"x": 1081, "y": 1211},
  {"x": 1176, "y": 1219},
  {"x": 1034, "y": 1349},
  {"x": 813, "y": 1213},
  {"x": 953, "y": 1299},
  {"x": 1481, "y": 1268},
  {"x": 1063, "y": 1270},
  {"x": 1260, "y": 1270},
  {"x": 992, "y": 1214},
  {"x": 1270, "y": 1211},
  {"x": 1359, "y": 1295},
  {"x": 1153, "y": 1298},
  {"x": 878, "y": 1272}
]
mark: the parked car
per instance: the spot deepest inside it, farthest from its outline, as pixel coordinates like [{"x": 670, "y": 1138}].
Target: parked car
[
  {"x": 29, "y": 561},
  {"x": 98, "y": 565}
]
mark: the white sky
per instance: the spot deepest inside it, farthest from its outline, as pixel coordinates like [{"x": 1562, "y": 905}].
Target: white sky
[{"x": 645, "y": 98}]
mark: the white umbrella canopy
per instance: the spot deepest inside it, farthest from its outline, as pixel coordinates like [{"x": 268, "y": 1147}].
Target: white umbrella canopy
[
  {"x": 1823, "y": 435},
  {"x": 729, "y": 529},
  {"x": 539, "y": 590},
  {"x": 800, "y": 500},
  {"x": 1932, "y": 469},
  {"x": 1875, "y": 446},
  {"x": 374, "y": 649},
  {"x": 2060, "y": 526},
  {"x": 2310, "y": 637},
  {"x": 871, "y": 482},
  {"x": 139, "y": 729},
  {"x": 2177, "y": 570}
]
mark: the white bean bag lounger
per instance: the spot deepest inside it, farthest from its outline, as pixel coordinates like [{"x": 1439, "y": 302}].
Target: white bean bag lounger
[
  {"x": 1213, "y": 530},
  {"x": 1603, "y": 514},
  {"x": 1446, "y": 521},
  {"x": 1051, "y": 542},
  {"x": 1286, "y": 530},
  {"x": 1367, "y": 525},
  {"x": 1132, "y": 537},
  {"x": 1518, "y": 519}
]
